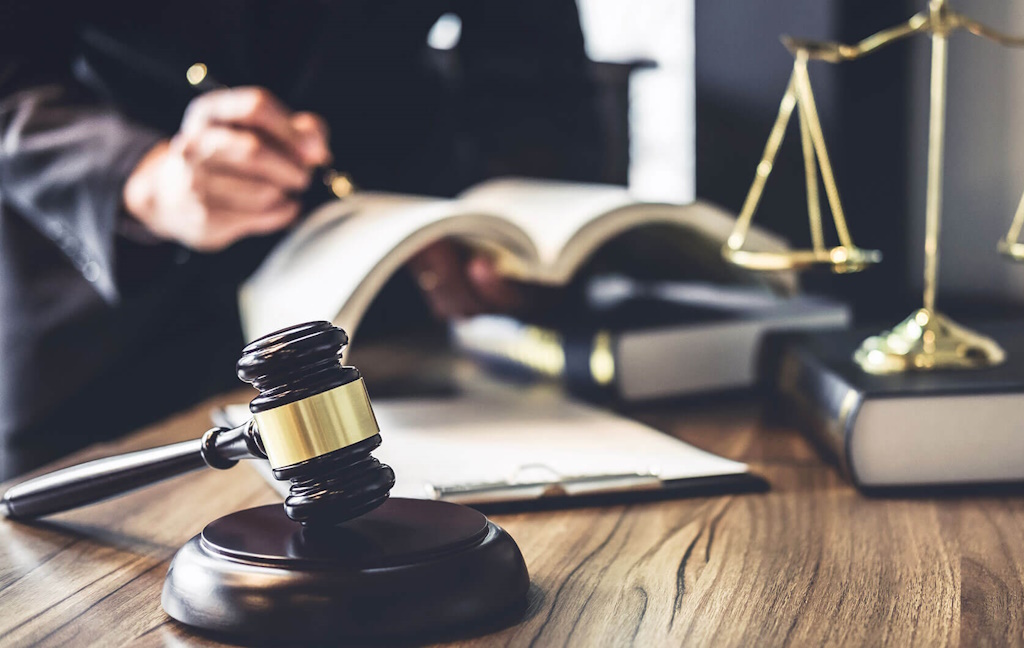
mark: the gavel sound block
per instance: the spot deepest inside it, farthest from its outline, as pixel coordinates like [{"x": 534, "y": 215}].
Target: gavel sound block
[{"x": 340, "y": 560}]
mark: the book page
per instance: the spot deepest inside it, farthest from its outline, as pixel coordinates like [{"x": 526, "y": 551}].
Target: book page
[
  {"x": 333, "y": 265},
  {"x": 550, "y": 212},
  {"x": 569, "y": 221}
]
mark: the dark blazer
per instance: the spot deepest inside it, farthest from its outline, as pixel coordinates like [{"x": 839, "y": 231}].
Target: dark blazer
[{"x": 99, "y": 331}]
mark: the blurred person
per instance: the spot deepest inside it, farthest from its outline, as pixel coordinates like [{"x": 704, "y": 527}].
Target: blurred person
[{"x": 130, "y": 209}]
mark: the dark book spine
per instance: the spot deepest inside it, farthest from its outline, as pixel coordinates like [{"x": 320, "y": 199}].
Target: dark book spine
[
  {"x": 585, "y": 365},
  {"x": 821, "y": 403},
  {"x": 591, "y": 369}
]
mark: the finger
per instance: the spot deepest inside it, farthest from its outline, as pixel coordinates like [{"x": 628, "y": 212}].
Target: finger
[
  {"x": 441, "y": 274},
  {"x": 314, "y": 138},
  {"x": 249, "y": 107},
  {"x": 243, "y": 153},
  {"x": 227, "y": 227},
  {"x": 497, "y": 293},
  {"x": 230, "y": 192}
]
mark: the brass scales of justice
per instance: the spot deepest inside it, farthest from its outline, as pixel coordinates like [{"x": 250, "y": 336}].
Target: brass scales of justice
[{"x": 927, "y": 339}]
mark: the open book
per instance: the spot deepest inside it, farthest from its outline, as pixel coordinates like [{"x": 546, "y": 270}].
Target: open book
[{"x": 333, "y": 264}]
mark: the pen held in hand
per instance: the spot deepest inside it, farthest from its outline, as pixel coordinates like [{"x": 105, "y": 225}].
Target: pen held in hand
[{"x": 328, "y": 183}]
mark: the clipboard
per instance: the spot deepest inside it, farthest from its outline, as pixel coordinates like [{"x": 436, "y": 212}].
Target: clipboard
[{"x": 520, "y": 450}]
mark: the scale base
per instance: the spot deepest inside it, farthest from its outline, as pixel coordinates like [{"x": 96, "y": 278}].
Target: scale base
[
  {"x": 410, "y": 568},
  {"x": 927, "y": 341}
]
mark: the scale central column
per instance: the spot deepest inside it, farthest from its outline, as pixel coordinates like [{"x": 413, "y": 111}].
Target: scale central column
[
  {"x": 936, "y": 151},
  {"x": 928, "y": 340}
]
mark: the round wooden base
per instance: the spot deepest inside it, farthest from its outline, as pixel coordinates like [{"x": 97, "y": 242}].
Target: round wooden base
[{"x": 407, "y": 568}]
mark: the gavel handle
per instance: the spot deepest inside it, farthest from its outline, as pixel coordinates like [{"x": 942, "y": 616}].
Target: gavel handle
[{"x": 105, "y": 478}]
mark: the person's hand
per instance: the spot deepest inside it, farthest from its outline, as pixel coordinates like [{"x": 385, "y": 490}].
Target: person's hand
[
  {"x": 233, "y": 170},
  {"x": 459, "y": 285}
]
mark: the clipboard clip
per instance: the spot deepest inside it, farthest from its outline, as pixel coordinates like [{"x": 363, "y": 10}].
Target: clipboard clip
[{"x": 528, "y": 482}]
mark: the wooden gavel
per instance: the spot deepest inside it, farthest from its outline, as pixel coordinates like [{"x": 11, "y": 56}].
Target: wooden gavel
[{"x": 312, "y": 420}]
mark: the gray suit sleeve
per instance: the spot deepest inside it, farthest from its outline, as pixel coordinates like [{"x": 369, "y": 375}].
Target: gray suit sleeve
[{"x": 64, "y": 159}]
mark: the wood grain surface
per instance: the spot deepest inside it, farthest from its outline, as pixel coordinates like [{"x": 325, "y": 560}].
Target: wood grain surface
[{"x": 811, "y": 562}]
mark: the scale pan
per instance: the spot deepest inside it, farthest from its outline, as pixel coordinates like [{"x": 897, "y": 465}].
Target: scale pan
[
  {"x": 840, "y": 259},
  {"x": 1013, "y": 250}
]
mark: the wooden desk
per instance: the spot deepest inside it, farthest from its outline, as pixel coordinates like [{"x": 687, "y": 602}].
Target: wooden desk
[{"x": 811, "y": 562}]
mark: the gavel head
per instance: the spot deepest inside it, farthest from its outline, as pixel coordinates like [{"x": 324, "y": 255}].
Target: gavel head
[{"x": 314, "y": 421}]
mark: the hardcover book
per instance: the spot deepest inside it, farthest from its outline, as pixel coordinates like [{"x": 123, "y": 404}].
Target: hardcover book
[
  {"x": 927, "y": 428},
  {"x": 634, "y": 341}
]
